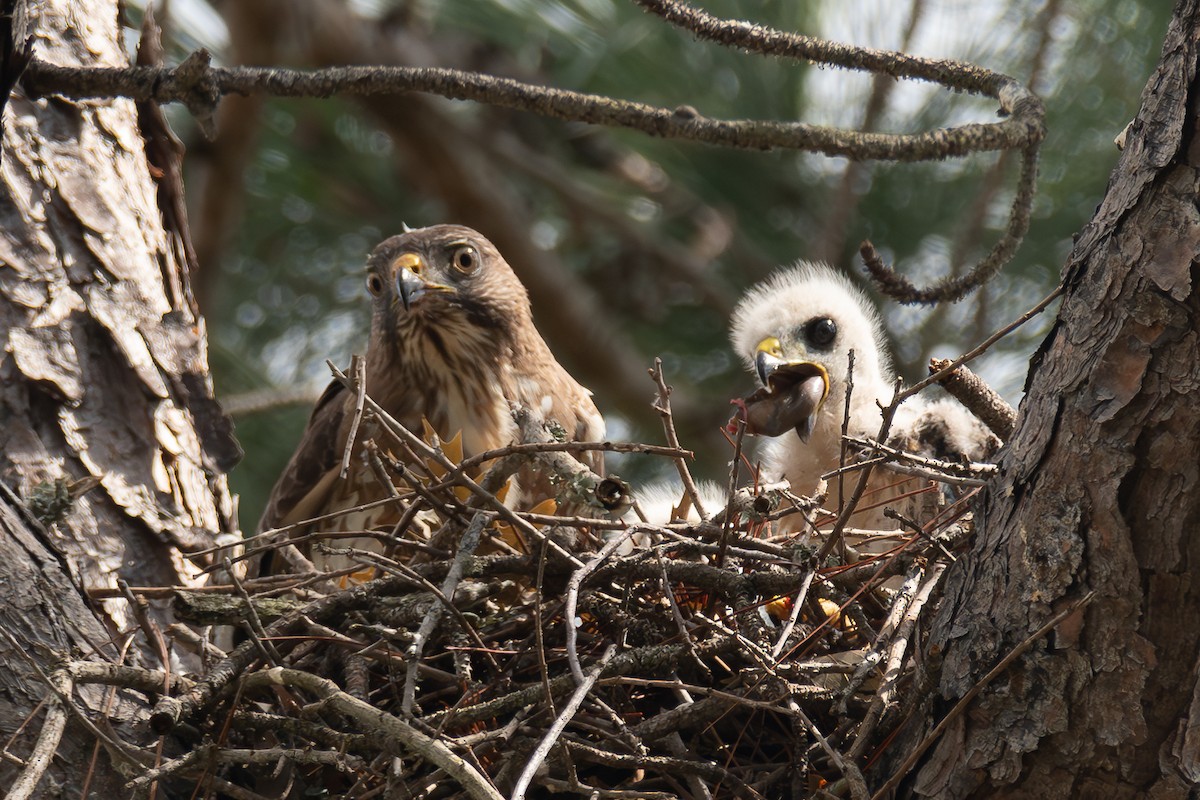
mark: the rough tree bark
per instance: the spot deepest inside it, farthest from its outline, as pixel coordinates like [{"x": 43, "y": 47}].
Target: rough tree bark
[
  {"x": 1100, "y": 491},
  {"x": 104, "y": 376}
]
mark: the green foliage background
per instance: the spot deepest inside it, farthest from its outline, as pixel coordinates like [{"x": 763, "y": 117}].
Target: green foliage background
[{"x": 327, "y": 180}]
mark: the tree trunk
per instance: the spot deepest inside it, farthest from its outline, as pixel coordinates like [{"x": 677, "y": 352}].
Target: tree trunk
[
  {"x": 104, "y": 377},
  {"x": 1100, "y": 491}
]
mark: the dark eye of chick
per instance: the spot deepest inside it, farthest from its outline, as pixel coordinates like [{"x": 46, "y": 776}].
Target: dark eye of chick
[
  {"x": 820, "y": 332},
  {"x": 374, "y": 284},
  {"x": 465, "y": 259}
]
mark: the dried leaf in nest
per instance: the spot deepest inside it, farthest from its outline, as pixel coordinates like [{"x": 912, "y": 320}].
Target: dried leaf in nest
[
  {"x": 512, "y": 537},
  {"x": 452, "y": 449},
  {"x": 364, "y": 575}
]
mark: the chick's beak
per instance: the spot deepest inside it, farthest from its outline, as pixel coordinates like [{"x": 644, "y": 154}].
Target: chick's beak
[
  {"x": 765, "y": 364},
  {"x": 409, "y": 283},
  {"x": 792, "y": 392}
]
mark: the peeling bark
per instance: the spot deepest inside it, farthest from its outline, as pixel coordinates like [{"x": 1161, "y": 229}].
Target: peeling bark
[
  {"x": 104, "y": 374},
  {"x": 1099, "y": 490}
]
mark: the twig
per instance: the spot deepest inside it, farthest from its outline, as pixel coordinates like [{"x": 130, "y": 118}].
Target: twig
[
  {"x": 539, "y": 632},
  {"x": 47, "y": 742},
  {"x": 918, "y": 529},
  {"x": 662, "y": 404},
  {"x": 167, "y": 713},
  {"x": 575, "y": 447},
  {"x": 149, "y": 627},
  {"x": 849, "y": 770},
  {"x": 257, "y": 633},
  {"x": 200, "y": 86},
  {"x": 556, "y": 785},
  {"x": 1024, "y": 109},
  {"x": 691, "y": 716},
  {"x": 271, "y": 755},
  {"x": 950, "y": 288},
  {"x": 677, "y": 616},
  {"x": 983, "y": 346},
  {"x": 957, "y": 75},
  {"x": 304, "y": 523},
  {"x": 466, "y": 549},
  {"x": 835, "y": 536},
  {"x": 194, "y": 642},
  {"x": 401, "y": 737},
  {"x": 895, "y": 659},
  {"x": 115, "y": 747},
  {"x": 980, "y": 399},
  {"x": 874, "y": 655},
  {"x": 451, "y": 508},
  {"x": 674, "y": 742},
  {"x": 379, "y": 471},
  {"x": 727, "y": 518},
  {"x": 560, "y": 722},
  {"x": 841, "y": 478},
  {"x": 398, "y": 569},
  {"x": 974, "y": 691},
  {"x": 642, "y": 659},
  {"x": 487, "y": 498},
  {"x": 685, "y": 691},
  {"x": 794, "y": 615},
  {"x": 857, "y": 466},
  {"x": 925, "y": 466},
  {"x": 144, "y": 680},
  {"x": 174, "y": 766},
  {"x": 572, "y": 601},
  {"x": 359, "y": 369},
  {"x": 683, "y": 766}
]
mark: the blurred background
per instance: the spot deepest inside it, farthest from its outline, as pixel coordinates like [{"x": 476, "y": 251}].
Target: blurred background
[{"x": 632, "y": 248}]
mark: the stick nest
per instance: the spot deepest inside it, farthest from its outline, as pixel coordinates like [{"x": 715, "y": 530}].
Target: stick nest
[{"x": 480, "y": 652}]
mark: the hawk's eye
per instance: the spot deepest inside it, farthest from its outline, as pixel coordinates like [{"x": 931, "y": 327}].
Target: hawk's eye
[
  {"x": 374, "y": 285},
  {"x": 465, "y": 259},
  {"x": 821, "y": 332}
]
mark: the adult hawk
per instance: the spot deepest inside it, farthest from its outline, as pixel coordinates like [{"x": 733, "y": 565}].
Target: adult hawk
[
  {"x": 453, "y": 343},
  {"x": 794, "y": 332}
]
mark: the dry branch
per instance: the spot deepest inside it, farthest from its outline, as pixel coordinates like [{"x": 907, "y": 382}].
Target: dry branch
[
  {"x": 47, "y": 743},
  {"x": 200, "y": 86},
  {"x": 980, "y": 399},
  {"x": 402, "y": 738}
]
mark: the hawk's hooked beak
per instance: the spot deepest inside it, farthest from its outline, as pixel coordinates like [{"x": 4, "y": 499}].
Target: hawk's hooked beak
[
  {"x": 409, "y": 284},
  {"x": 792, "y": 393}
]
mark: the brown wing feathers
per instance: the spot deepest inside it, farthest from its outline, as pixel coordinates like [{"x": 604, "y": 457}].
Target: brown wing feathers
[{"x": 453, "y": 342}]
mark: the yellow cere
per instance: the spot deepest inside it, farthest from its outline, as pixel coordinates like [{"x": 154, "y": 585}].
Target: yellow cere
[
  {"x": 410, "y": 261},
  {"x": 770, "y": 346}
]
